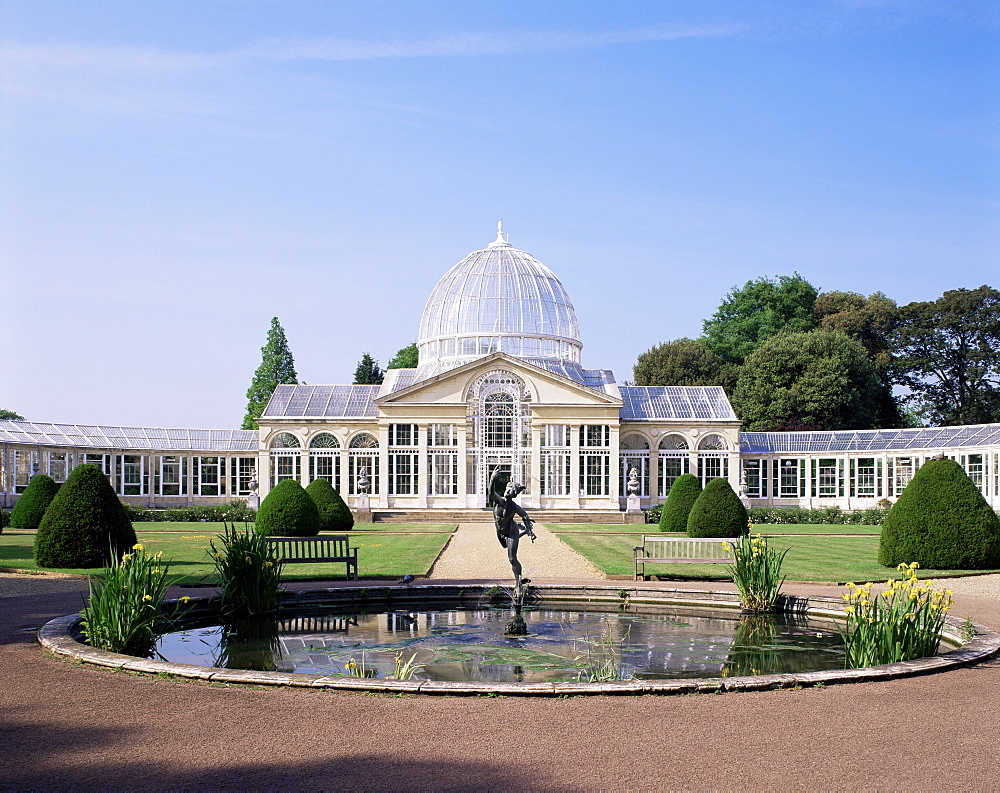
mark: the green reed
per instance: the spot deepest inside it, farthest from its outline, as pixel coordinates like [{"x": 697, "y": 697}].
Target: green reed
[
  {"x": 756, "y": 571},
  {"x": 123, "y": 610},
  {"x": 248, "y": 570},
  {"x": 899, "y": 624}
]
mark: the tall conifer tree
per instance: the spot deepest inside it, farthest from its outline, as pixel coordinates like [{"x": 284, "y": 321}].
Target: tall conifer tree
[
  {"x": 276, "y": 367},
  {"x": 368, "y": 371}
]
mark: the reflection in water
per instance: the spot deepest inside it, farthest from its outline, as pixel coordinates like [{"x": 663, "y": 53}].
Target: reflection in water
[
  {"x": 249, "y": 643},
  {"x": 771, "y": 644},
  {"x": 469, "y": 644}
]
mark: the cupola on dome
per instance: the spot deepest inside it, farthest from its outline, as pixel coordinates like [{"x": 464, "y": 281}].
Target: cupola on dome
[{"x": 498, "y": 299}]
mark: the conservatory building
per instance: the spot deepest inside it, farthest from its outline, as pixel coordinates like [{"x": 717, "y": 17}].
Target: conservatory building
[{"x": 499, "y": 386}]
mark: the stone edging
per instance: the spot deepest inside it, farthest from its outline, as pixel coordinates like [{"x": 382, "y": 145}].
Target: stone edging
[{"x": 59, "y": 637}]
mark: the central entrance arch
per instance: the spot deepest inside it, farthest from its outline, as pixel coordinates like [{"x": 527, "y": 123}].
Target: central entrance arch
[{"x": 500, "y": 418}]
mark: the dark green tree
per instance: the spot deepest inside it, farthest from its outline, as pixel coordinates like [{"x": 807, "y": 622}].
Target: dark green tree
[
  {"x": 948, "y": 356},
  {"x": 85, "y": 525},
  {"x": 683, "y": 362},
  {"x": 334, "y": 514},
  {"x": 718, "y": 512},
  {"x": 406, "y": 358},
  {"x": 758, "y": 310},
  {"x": 276, "y": 367},
  {"x": 872, "y": 321},
  {"x": 10, "y": 415},
  {"x": 31, "y": 506},
  {"x": 820, "y": 379},
  {"x": 942, "y": 522},
  {"x": 368, "y": 371},
  {"x": 675, "y": 510},
  {"x": 287, "y": 511}
]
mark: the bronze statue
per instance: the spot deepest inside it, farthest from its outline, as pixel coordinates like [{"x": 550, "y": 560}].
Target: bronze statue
[{"x": 509, "y": 531}]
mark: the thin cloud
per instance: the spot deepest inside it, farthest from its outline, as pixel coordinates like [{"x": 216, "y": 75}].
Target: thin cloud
[{"x": 150, "y": 60}]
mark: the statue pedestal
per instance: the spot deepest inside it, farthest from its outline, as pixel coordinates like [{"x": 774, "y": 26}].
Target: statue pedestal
[
  {"x": 253, "y": 501},
  {"x": 632, "y": 505},
  {"x": 362, "y": 509}
]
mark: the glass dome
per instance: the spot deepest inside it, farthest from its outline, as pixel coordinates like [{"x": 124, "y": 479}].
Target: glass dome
[{"x": 498, "y": 299}]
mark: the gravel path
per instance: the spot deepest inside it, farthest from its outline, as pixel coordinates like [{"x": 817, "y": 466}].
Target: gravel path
[{"x": 475, "y": 553}]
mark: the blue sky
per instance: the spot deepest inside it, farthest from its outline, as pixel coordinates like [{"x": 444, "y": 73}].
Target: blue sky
[{"x": 172, "y": 175}]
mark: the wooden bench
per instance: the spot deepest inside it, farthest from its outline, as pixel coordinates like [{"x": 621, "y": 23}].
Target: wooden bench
[
  {"x": 303, "y": 550},
  {"x": 657, "y": 549}
]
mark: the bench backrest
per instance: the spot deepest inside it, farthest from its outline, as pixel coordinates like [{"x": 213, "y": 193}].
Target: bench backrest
[
  {"x": 688, "y": 547},
  {"x": 332, "y": 547}
]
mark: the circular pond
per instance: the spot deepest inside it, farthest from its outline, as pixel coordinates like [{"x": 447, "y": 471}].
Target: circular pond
[
  {"x": 592, "y": 639},
  {"x": 468, "y": 644}
]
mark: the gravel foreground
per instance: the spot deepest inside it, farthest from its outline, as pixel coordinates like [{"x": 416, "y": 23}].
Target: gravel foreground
[{"x": 71, "y": 727}]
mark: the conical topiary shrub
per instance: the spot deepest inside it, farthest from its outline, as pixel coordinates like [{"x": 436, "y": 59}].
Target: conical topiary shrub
[
  {"x": 85, "y": 525},
  {"x": 28, "y": 511},
  {"x": 287, "y": 511},
  {"x": 683, "y": 493},
  {"x": 718, "y": 512},
  {"x": 334, "y": 514},
  {"x": 942, "y": 522}
]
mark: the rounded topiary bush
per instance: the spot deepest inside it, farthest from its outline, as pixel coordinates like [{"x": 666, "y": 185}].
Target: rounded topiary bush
[
  {"x": 942, "y": 522},
  {"x": 85, "y": 525},
  {"x": 683, "y": 493},
  {"x": 334, "y": 514},
  {"x": 718, "y": 512},
  {"x": 28, "y": 511},
  {"x": 288, "y": 511}
]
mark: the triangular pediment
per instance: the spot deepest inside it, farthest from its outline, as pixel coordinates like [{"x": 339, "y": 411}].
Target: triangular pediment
[{"x": 452, "y": 386}]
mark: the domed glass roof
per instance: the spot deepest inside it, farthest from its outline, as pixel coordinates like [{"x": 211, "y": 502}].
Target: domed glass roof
[{"x": 497, "y": 299}]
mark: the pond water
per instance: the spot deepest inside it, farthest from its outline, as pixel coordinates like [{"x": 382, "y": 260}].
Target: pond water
[{"x": 562, "y": 644}]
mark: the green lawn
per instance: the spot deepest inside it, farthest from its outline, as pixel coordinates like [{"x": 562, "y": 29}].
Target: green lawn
[
  {"x": 809, "y": 558},
  {"x": 205, "y": 527},
  {"x": 381, "y": 553},
  {"x": 762, "y": 528}
]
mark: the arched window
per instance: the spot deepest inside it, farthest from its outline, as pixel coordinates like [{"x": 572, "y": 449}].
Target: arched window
[
  {"x": 634, "y": 442},
  {"x": 285, "y": 440},
  {"x": 674, "y": 443},
  {"x": 713, "y": 443},
  {"x": 324, "y": 440},
  {"x": 634, "y": 454},
  {"x": 363, "y": 440}
]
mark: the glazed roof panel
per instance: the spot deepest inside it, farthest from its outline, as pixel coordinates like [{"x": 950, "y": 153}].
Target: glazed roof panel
[
  {"x": 870, "y": 440},
  {"x": 100, "y": 437},
  {"x": 656, "y": 403}
]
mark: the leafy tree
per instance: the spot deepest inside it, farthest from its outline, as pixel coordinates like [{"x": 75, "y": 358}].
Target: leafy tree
[
  {"x": 276, "y": 367},
  {"x": 406, "y": 358},
  {"x": 683, "y": 362},
  {"x": 33, "y": 502},
  {"x": 942, "y": 522},
  {"x": 675, "y": 510},
  {"x": 368, "y": 371},
  {"x": 758, "y": 310},
  {"x": 820, "y": 378},
  {"x": 85, "y": 525},
  {"x": 872, "y": 321},
  {"x": 948, "y": 355},
  {"x": 287, "y": 511},
  {"x": 10, "y": 415},
  {"x": 334, "y": 514},
  {"x": 718, "y": 512}
]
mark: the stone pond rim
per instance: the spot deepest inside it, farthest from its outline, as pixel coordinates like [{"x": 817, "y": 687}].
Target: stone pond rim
[{"x": 59, "y": 636}]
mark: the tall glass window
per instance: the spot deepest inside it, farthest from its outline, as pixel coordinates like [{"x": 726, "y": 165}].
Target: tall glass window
[
  {"x": 363, "y": 459},
  {"x": 674, "y": 460}
]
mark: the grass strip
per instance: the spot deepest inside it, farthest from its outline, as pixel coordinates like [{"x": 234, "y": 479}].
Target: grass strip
[
  {"x": 770, "y": 529},
  {"x": 380, "y": 554},
  {"x": 835, "y": 559},
  {"x": 211, "y": 527}
]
